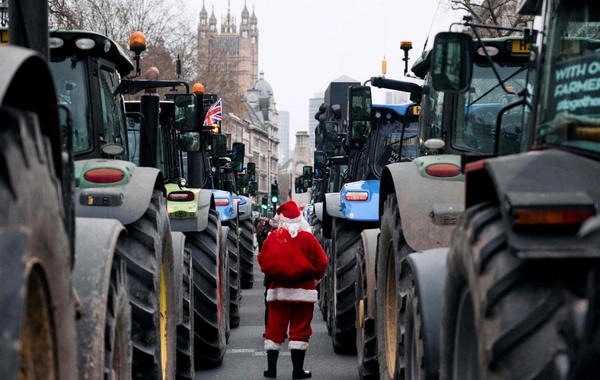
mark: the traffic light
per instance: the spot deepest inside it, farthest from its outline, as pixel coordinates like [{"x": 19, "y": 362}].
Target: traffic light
[
  {"x": 274, "y": 193},
  {"x": 265, "y": 202}
]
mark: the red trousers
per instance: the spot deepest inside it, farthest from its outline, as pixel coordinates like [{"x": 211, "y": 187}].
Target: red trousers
[{"x": 298, "y": 315}]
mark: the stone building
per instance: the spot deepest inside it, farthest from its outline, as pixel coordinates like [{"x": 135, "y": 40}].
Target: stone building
[
  {"x": 303, "y": 156},
  {"x": 231, "y": 52}
]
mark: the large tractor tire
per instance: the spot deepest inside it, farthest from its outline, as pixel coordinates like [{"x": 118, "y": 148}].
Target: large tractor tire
[
  {"x": 345, "y": 241},
  {"x": 317, "y": 228},
  {"x": 393, "y": 283},
  {"x": 37, "y": 322},
  {"x": 210, "y": 267},
  {"x": 100, "y": 278},
  {"x": 149, "y": 254},
  {"x": 247, "y": 253},
  {"x": 366, "y": 340},
  {"x": 185, "y": 330},
  {"x": 234, "y": 274},
  {"x": 501, "y": 314}
]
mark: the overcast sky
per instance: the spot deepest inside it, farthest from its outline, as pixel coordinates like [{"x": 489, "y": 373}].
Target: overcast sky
[{"x": 306, "y": 44}]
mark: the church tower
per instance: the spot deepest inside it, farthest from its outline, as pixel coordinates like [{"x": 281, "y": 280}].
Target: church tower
[{"x": 248, "y": 49}]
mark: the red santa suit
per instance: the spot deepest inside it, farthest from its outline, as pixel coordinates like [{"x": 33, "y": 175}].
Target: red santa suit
[{"x": 292, "y": 302}]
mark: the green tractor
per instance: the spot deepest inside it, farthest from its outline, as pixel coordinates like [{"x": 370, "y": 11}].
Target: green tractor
[{"x": 88, "y": 69}]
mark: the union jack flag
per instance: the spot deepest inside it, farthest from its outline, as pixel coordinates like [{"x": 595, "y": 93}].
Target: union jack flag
[{"x": 214, "y": 113}]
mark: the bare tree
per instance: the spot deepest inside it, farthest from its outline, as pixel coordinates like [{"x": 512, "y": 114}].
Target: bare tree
[
  {"x": 219, "y": 76},
  {"x": 492, "y": 12}
]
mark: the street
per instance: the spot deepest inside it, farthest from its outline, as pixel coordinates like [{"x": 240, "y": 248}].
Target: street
[{"x": 246, "y": 359}]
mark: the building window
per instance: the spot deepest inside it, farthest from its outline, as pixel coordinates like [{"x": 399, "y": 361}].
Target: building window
[
  {"x": 245, "y": 34},
  {"x": 203, "y": 21},
  {"x": 212, "y": 27},
  {"x": 245, "y": 21},
  {"x": 253, "y": 26},
  {"x": 203, "y": 34},
  {"x": 253, "y": 39}
]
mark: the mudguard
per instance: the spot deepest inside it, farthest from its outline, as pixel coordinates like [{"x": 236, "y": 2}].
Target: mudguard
[
  {"x": 332, "y": 201},
  {"x": 364, "y": 211},
  {"x": 318, "y": 207},
  {"x": 369, "y": 240},
  {"x": 126, "y": 203},
  {"x": 429, "y": 208},
  {"x": 178, "y": 240},
  {"x": 20, "y": 67},
  {"x": 205, "y": 202},
  {"x": 244, "y": 207},
  {"x": 541, "y": 179},
  {"x": 429, "y": 273},
  {"x": 95, "y": 244},
  {"x": 226, "y": 212}
]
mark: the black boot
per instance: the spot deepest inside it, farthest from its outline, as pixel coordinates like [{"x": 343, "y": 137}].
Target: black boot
[
  {"x": 272, "y": 356},
  {"x": 298, "y": 363}
]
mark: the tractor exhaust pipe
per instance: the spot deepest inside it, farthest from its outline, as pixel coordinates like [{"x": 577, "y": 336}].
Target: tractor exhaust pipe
[{"x": 33, "y": 33}]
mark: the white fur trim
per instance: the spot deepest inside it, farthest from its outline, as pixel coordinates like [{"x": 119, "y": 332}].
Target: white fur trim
[
  {"x": 292, "y": 294},
  {"x": 270, "y": 345},
  {"x": 297, "y": 345},
  {"x": 283, "y": 219}
]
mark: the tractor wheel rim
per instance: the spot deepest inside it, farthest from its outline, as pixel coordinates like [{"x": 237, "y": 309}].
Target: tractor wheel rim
[
  {"x": 465, "y": 364},
  {"x": 391, "y": 313},
  {"x": 38, "y": 340},
  {"x": 163, "y": 321}
]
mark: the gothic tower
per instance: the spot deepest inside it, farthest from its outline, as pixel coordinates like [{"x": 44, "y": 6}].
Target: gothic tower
[{"x": 228, "y": 55}]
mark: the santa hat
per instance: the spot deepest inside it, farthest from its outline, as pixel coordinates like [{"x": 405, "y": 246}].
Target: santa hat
[{"x": 289, "y": 212}]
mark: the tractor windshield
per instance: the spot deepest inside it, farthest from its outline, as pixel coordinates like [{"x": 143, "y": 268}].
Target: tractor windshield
[
  {"x": 388, "y": 144},
  {"x": 571, "y": 78},
  {"x": 475, "y": 126},
  {"x": 71, "y": 88}
]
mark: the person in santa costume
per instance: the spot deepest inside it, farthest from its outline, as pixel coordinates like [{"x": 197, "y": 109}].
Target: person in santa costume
[{"x": 291, "y": 301}]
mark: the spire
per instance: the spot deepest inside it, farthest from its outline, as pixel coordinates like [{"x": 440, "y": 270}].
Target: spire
[
  {"x": 213, "y": 19},
  {"x": 245, "y": 12},
  {"x": 253, "y": 17},
  {"x": 228, "y": 23},
  {"x": 203, "y": 13}
]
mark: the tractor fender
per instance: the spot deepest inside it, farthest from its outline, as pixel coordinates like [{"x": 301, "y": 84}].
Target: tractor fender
[
  {"x": 206, "y": 202},
  {"x": 429, "y": 274},
  {"x": 19, "y": 67},
  {"x": 95, "y": 245},
  {"x": 331, "y": 206},
  {"x": 127, "y": 203},
  {"x": 546, "y": 179},
  {"x": 245, "y": 208},
  {"x": 178, "y": 241},
  {"x": 318, "y": 207},
  {"x": 369, "y": 240},
  {"x": 332, "y": 202},
  {"x": 364, "y": 211},
  {"x": 429, "y": 208}
]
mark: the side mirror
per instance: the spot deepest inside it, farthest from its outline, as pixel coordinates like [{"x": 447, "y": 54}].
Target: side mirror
[
  {"x": 330, "y": 136},
  {"x": 219, "y": 145},
  {"x": 360, "y": 111},
  {"x": 253, "y": 188},
  {"x": 189, "y": 141},
  {"x": 251, "y": 171},
  {"x": 238, "y": 151},
  {"x": 185, "y": 112},
  {"x": 319, "y": 160},
  {"x": 452, "y": 62},
  {"x": 299, "y": 187},
  {"x": 307, "y": 171}
]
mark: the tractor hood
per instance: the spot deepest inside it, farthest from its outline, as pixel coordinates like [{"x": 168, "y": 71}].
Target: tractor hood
[
  {"x": 96, "y": 173},
  {"x": 182, "y": 203},
  {"x": 224, "y": 205},
  {"x": 360, "y": 200}
]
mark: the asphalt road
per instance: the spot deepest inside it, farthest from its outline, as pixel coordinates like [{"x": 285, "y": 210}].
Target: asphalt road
[{"x": 246, "y": 359}]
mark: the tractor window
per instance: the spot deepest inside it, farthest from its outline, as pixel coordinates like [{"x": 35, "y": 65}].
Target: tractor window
[
  {"x": 71, "y": 90},
  {"x": 475, "y": 126},
  {"x": 113, "y": 113},
  {"x": 391, "y": 146},
  {"x": 571, "y": 78},
  {"x": 432, "y": 104}
]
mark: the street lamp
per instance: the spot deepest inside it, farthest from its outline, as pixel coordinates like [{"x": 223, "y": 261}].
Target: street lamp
[{"x": 3, "y": 12}]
